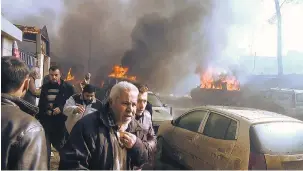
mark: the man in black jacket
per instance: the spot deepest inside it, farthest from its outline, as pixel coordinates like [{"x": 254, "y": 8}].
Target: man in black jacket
[
  {"x": 102, "y": 141},
  {"x": 23, "y": 144},
  {"x": 52, "y": 100}
]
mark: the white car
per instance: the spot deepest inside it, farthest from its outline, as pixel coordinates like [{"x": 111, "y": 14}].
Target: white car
[{"x": 161, "y": 112}]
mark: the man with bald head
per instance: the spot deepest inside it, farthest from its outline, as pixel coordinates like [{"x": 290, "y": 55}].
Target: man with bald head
[{"x": 101, "y": 141}]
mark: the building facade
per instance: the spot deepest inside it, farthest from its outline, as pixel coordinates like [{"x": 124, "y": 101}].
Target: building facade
[{"x": 9, "y": 34}]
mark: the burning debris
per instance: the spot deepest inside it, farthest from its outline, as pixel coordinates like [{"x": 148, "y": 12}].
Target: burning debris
[
  {"x": 215, "y": 79},
  {"x": 69, "y": 76},
  {"x": 121, "y": 73}
]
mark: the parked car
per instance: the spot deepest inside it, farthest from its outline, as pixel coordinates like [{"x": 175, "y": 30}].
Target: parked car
[
  {"x": 231, "y": 138},
  {"x": 161, "y": 112},
  {"x": 290, "y": 99}
]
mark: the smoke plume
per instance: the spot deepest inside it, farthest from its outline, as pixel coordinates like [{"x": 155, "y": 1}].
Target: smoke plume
[{"x": 160, "y": 41}]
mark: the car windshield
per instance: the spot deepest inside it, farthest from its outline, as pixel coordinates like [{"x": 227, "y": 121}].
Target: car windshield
[
  {"x": 278, "y": 137},
  {"x": 154, "y": 100}
]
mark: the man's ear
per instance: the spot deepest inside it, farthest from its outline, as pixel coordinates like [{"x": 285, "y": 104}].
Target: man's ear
[
  {"x": 110, "y": 102},
  {"x": 25, "y": 85}
]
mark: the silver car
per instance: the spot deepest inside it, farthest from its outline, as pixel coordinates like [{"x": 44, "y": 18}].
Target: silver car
[{"x": 161, "y": 112}]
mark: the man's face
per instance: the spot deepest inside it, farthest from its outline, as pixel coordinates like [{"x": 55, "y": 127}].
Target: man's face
[
  {"x": 54, "y": 76},
  {"x": 88, "y": 97},
  {"x": 142, "y": 102},
  {"x": 124, "y": 107}
]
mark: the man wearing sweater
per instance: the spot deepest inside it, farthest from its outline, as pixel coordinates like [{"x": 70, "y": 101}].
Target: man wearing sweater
[{"x": 52, "y": 100}]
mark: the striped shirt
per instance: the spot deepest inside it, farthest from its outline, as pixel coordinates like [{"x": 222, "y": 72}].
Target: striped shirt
[{"x": 52, "y": 93}]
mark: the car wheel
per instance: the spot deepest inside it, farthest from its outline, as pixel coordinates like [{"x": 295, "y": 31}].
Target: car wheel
[
  {"x": 159, "y": 153},
  {"x": 160, "y": 159}
]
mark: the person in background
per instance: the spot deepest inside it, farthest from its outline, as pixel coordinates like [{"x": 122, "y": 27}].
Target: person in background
[
  {"x": 23, "y": 142},
  {"x": 101, "y": 141},
  {"x": 80, "y": 105},
  {"x": 32, "y": 92},
  {"x": 52, "y": 100},
  {"x": 79, "y": 87},
  {"x": 143, "y": 117}
]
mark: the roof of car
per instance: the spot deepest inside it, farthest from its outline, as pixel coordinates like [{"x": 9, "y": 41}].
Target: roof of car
[{"x": 249, "y": 114}]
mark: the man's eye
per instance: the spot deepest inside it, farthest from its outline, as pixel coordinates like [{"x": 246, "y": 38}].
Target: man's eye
[{"x": 126, "y": 103}]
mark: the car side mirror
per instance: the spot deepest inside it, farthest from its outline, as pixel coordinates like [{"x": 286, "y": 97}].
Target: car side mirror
[{"x": 165, "y": 105}]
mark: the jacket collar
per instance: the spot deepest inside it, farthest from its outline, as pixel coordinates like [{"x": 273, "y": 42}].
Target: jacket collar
[
  {"x": 25, "y": 106},
  {"x": 106, "y": 116}
]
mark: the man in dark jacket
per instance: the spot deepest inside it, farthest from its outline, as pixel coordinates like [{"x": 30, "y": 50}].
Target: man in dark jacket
[
  {"x": 52, "y": 100},
  {"x": 101, "y": 141},
  {"x": 23, "y": 144}
]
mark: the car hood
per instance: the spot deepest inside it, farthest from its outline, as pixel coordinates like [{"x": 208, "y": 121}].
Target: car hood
[{"x": 161, "y": 114}]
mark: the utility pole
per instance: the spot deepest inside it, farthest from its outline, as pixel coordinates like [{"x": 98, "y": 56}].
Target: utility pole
[
  {"x": 90, "y": 48},
  {"x": 279, "y": 38}
]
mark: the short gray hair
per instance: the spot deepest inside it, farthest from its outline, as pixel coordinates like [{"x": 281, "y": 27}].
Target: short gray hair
[{"x": 122, "y": 86}]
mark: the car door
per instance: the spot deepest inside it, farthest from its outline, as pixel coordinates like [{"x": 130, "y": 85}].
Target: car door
[
  {"x": 184, "y": 137},
  {"x": 216, "y": 142}
]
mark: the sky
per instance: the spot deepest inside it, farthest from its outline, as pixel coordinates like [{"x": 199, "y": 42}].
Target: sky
[{"x": 255, "y": 35}]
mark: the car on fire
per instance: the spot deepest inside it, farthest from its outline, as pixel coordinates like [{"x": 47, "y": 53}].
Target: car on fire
[
  {"x": 161, "y": 112},
  {"x": 221, "y": 137}
]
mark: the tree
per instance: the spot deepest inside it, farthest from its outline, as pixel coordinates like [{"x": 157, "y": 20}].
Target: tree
[
  {"x": 279, "y": 37},
  {"x": 277, "y": 17}
]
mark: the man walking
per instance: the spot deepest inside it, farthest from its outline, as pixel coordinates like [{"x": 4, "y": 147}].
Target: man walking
[
  {"x": 80, "y": 105},
  {"x": 23, "y": 144},
  {"x": 100, "y": 141},
  {"x": 144, "y": 120},
  {"x": 52, "y": 99}
]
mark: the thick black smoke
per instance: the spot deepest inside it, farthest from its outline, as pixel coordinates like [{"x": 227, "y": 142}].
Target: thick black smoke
[
  {"x": 161, "y": 41},
  {"x": 166, "y": 47}
]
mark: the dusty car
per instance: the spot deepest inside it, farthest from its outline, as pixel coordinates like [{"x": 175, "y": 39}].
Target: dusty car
[
  {"x": 221, "y": 137},
  {"x": 161, "y": 112},
  {"x": 290, "y": 99}
]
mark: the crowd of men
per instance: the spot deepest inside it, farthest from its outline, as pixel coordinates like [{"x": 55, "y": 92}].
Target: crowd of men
[{"x": 87, "y": 133}]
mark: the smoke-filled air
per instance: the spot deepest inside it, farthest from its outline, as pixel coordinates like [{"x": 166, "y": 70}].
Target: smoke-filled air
[{"x": 161, "y": 42}]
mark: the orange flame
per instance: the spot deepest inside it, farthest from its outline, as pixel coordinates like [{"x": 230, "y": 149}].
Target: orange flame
[
  {"x": 69, "y": 76},
  {"x": 215, "y": 80},
  {"x": 121, "y": 72}
]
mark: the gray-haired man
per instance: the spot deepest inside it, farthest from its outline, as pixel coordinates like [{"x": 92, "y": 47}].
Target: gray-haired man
[{"x": 100, "y": 141}]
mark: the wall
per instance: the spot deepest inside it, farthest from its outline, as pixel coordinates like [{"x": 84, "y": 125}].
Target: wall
[{"x": 7, "y": 46}]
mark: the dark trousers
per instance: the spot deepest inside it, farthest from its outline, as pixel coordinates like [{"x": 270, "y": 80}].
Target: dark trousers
[{"x": 55, "y": 135}]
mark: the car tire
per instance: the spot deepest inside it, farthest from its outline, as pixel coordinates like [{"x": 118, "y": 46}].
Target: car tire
[
  {"x": 159, "y": 153},
  {"x": 160, "y": 159}
]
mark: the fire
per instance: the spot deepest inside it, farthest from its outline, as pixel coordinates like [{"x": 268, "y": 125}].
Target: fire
[
  {"x": 69, "y": 76},
  {"x": 212, "y": 79},
  {"x": 121, "y": 72}
]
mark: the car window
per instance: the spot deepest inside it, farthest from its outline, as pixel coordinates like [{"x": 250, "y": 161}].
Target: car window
[
  {"x": 220, "y": 127},
  {"x": 277, "y": 138},
  {"x": 300, "y": 97},
  {"x": 154, "y": 100},
  {"x": 231, "y": 131},
  {"x": 192, "y": 121}
]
